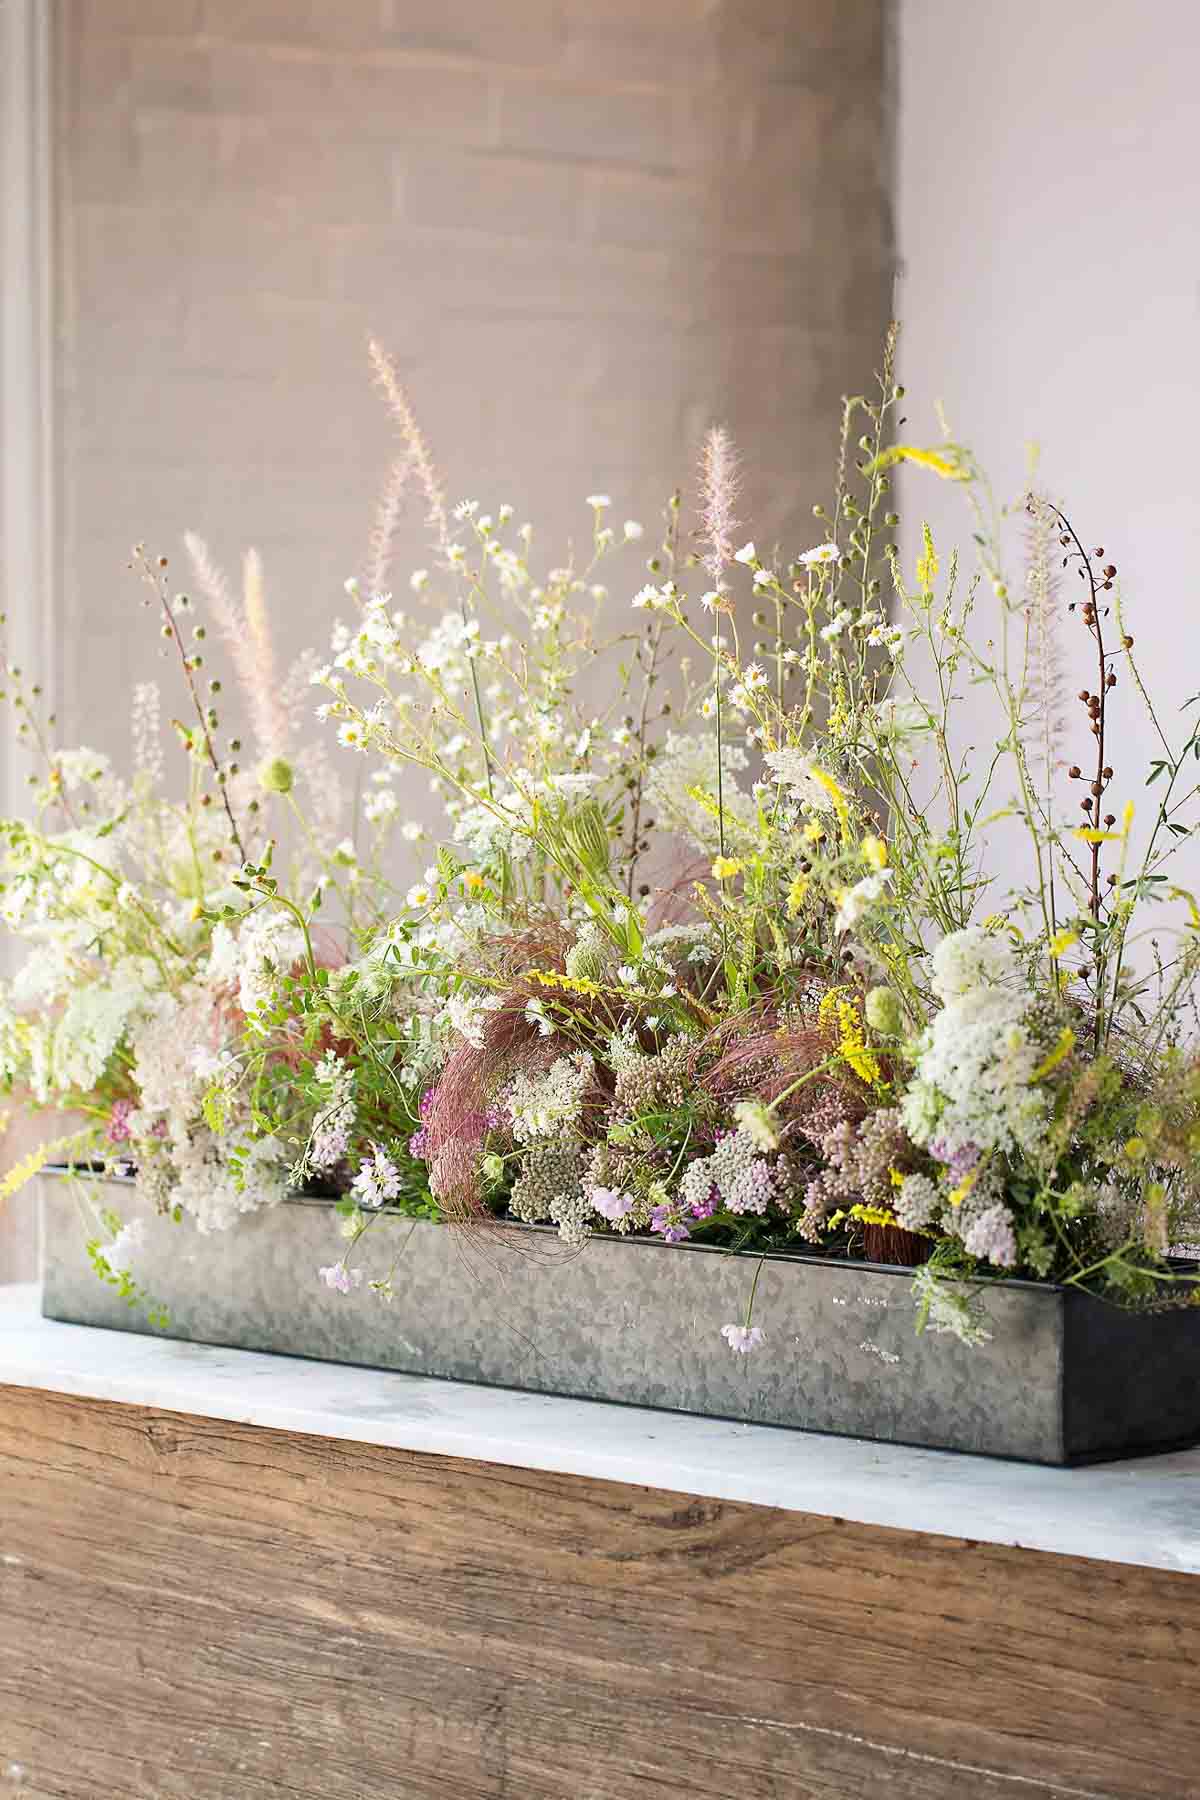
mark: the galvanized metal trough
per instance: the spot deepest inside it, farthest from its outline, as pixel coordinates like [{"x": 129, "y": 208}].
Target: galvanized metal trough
[{"x": 1064, "y": 1378}]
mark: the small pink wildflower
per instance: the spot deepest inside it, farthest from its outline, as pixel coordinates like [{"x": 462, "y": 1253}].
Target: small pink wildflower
[
  {"x": 742, "y": 1339},
  {"x": 611, "y": 1203},
  {"x": 339, "y": 1278}
]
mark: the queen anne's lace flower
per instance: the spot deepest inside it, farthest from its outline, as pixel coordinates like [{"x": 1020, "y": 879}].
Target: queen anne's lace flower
[
  {"x": 795, "y": 771},
  {"x": 858, "y": 900},
  {"x": 973, "y": 1088},
  {"x": 548, "y": 1105}
]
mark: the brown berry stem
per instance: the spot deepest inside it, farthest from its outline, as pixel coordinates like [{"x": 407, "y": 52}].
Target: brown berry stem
[
  {"x": 1098, "y": 704},
  {"x": 160, "y": 588}
]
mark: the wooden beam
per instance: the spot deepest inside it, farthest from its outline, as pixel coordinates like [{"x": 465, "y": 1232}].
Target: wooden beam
[{"x": 195, "y": 1610}]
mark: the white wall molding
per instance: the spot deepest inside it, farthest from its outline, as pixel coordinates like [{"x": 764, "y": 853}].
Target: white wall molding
[
  {"x": 28, "y": 588},
  {"x": 27, "y": 562}
]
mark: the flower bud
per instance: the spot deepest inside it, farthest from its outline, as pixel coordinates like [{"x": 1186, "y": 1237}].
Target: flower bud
[
  {"x": 883, "y": 1012},
  {"x": 276, "y": 776}
]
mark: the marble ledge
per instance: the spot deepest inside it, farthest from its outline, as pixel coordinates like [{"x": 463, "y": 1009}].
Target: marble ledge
[{"x": 1144, "y": 1512}]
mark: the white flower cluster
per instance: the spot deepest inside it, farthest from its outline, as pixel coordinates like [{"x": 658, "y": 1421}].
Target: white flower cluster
[
  {"x": 796, "y": 772},
  {"x": 973, "y": 1088},
  {"x": 686, "y": 767},
  {"x": 549, "y": 1105},
  {"x": 467, "y": 1015},
  {"x": 92, "y": 1023},
  {"x": 266, "y": 946}
]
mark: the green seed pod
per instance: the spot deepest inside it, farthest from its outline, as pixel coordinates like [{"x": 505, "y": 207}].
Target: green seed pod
[
  {"x": 584, "y": 961},
  {"x": 883, "y": 1012},
  {"x": 276, "y": 776}
]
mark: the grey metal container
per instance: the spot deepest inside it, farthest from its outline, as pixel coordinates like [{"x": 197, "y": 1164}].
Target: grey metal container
[{"x": 1064, "y": 1378}]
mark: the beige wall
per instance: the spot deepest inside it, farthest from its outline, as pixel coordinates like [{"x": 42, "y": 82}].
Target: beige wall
[
  {"x": 1049, "y": 226},
  {"x": 587, "y": 228}
]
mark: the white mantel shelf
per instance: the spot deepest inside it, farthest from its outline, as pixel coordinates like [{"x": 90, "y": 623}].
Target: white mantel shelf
[{"x": 1145, "y": 1512}]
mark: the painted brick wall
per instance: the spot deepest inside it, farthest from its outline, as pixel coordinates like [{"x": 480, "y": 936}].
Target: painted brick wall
[{"x": 587, "y": 228}]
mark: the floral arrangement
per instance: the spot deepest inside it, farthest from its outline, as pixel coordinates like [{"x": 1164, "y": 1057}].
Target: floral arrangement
[{"x": 713, "y": 944}]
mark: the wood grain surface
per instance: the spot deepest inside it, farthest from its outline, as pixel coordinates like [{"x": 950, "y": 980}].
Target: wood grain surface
[{"x": 194, "y": 1610}]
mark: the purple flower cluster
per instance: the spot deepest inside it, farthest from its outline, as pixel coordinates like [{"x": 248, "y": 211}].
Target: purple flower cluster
[
  {"x": 118, "y": 1129},
  {"x": 667, "y": 1221},
  {"x": 418, "y": 1143},
  {"x": 959, "y": 1162},
  {"x": 704, "y": 1209},
  {"x": 475, "y": 1125}
]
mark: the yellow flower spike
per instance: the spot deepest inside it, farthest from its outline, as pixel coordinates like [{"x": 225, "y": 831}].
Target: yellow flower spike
[
  {"x": 812, "y": 833},
  {"x": 796, "y": 895},
  {"x": 873, "y": 1215},
  {"x": 959, "y": 1194},
  {"x": 828, "y": 1006},
  {"x": 945, "y": 466},
  {"x": 835, "y": 794},
  {"x": 1178, "y": 893},
  {"x": 927, "y": 562},
  {"x": 1060, "y": 1052},
  {"x": 896, "y": 1178},
  {"x": 724, "y": 867},
  {"x": 853, "y": 1045},
  {"x": 1061, "y": 942},
  {"x": 874, "y": 852}
]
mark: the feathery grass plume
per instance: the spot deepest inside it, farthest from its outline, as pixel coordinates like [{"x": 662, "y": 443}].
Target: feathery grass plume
[
  {"x": 145, "y": 729},
  {"x": 247, "y": 634},
  {"x": 268, "y": 716},
  {"x": 720, "y": 480},
  {"x": 758, "y": 1056},
  {"x": 381, "y": 543},
  {"x": 414, "y": 440},
  {"x": 1046, "y": 678}
]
